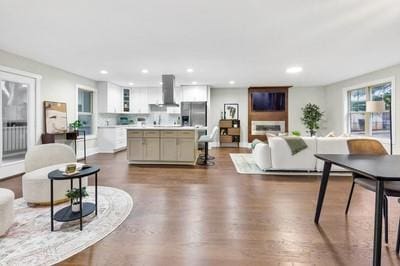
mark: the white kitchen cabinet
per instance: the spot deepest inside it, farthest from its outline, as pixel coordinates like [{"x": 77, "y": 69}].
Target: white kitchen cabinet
[
  {"x": 109, "y": 97},
  {"x": 139, "y": 101},
  {"x": 194, "y": 93},
  {"x": 111, "y": 139},
  {"x": 154, "y": 95},
  {"x": 126, "y": 100}
]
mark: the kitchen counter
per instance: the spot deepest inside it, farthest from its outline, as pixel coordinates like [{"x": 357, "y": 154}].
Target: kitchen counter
[
  {"x": 162, "y": 144},
  {"x": 151, "y": 127}
]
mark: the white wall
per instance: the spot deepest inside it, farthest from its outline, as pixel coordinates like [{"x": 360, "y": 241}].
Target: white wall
[
  {"x": 219, "y": 96},
  {"x": 335, "y": 99},
  {"x": 56, "y": 85},
  {"x": 298, "y": 98}
]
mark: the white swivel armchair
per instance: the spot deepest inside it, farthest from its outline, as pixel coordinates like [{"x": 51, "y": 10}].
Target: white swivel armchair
[{"x": 39, "y": 161}]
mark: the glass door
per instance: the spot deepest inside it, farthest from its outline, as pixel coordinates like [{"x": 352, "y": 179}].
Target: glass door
[{"x": 17, "y": 116}]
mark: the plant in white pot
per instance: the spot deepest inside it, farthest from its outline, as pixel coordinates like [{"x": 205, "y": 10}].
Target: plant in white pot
[{"x": 74, "y": 195}]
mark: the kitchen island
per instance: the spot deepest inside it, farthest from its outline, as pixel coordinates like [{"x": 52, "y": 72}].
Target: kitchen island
[{"x": 162, "y": 145}]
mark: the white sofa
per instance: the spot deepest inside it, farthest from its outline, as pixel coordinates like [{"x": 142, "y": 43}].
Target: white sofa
[
  {"x": 41, "y": 160},
  {"x": 276, "y": 155}
]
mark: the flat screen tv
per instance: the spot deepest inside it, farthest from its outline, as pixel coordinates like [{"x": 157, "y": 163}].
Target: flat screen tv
[{"x": 268, "y": 101}]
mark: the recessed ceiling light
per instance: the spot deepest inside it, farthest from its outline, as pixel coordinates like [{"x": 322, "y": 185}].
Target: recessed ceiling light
[
  {"x": 160, "y": 82},
  {"x": 189, "y": 70},
  {"x": 194, "y": 82},
  {"x": 145, "y": 71},
  {"x": 294, "y": 69},
  {"x": 131, "y": 83},
  {"x": 232, "y": 82},
  {"x": 104, "y": 72},
  {"x": 24, "y": 86}
]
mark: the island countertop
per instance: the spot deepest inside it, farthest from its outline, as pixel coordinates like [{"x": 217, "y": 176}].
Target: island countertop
[
  {"x": 151, "y": 127},
  {"x": 164, "y": 128},
  {"x": 163, "y": 144}
]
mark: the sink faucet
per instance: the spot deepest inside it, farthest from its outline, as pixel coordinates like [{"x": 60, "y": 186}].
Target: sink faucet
[{"x": 159, "y": 119}]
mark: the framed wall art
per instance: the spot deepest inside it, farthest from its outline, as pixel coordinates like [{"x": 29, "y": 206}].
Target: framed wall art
[
  {"x": 231, "y": 110},
  {"x": 55, "y": 117}
]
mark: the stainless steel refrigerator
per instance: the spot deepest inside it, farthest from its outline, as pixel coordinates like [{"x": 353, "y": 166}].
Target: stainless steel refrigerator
[{"x": 194, "y": 113}]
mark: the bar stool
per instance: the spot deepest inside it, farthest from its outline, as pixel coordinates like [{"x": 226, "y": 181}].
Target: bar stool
[{"x": 205, "y": 158}]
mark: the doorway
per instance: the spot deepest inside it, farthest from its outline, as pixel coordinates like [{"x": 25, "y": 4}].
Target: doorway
[{"x": 17, "y": 116}]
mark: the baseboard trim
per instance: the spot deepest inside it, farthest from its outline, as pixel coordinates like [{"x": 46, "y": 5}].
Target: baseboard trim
[{"x": 225, "y": 145}]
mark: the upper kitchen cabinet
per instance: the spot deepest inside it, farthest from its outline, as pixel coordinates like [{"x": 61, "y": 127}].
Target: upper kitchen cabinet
[
  {"x": 194, "y": 93},
  {"x": 109, "y": 97},
  {"x": 154, "y": 95},
  {"x": 127, "y": 100},
  {"x": 139, "y": 101}
]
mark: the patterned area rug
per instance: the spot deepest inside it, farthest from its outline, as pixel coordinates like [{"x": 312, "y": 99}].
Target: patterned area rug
[
  {"x": 30, "y": 241},
  {"x": 245, "y": 164}
]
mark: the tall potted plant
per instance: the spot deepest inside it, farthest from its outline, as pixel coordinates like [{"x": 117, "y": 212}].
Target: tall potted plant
[
  {"x": 74, "y": 195},
  {"x": 312, "y": 115}
]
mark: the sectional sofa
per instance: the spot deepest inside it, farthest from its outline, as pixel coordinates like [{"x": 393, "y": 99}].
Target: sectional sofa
[{"x": 276, "y": 155}]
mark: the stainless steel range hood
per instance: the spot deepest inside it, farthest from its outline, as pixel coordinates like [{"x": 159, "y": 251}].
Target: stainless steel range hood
[{"x": 168, "y": 84}]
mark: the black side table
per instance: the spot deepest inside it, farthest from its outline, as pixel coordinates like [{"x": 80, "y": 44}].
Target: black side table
[{"x": 66, "y": 214}]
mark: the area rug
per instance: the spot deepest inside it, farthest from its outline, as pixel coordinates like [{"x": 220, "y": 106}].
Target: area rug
[
  {"x": 30, "y": 241},
  {"x": 245, "y": 164}
]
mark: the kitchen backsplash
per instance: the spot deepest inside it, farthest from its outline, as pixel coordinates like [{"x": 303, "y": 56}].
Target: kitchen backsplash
[{"x": 113, "y": 119}]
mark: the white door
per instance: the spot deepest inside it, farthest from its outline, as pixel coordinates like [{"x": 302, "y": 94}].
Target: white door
[{"x": 17, "y": 116}]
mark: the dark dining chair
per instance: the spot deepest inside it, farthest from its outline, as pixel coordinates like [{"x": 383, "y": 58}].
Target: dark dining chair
[{"x": 391, "y": 188}]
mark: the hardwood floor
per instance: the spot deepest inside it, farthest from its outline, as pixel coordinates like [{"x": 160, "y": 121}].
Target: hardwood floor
[{"x": 214, "y": 216}]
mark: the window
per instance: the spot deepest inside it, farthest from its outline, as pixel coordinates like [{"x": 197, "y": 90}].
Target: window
[
  {"x": 85, "y": 110},
  {"x": 357, "y": 103},
  {"x": 372, "y": 124}
]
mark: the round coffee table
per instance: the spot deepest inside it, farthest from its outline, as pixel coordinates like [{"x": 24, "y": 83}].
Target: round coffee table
[{"x": 66, "y": 214}]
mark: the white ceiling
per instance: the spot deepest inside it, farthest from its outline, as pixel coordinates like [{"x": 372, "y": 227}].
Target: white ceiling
[{"x": 251, "y": 41}]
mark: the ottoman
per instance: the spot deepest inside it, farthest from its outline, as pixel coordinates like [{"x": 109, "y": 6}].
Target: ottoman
[{"x": 6, "y": 209}]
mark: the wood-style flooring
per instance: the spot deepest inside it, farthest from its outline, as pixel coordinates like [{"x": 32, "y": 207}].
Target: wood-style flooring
[{"x": 215, "y": 216}]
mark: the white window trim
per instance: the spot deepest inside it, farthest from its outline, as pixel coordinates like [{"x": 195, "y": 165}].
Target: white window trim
[
  {"x": 345, "y": 90},
  {"x": 94, "y": 111},
  {"x": 13, "y": 168},
  {"x": 39, "y": 106}
]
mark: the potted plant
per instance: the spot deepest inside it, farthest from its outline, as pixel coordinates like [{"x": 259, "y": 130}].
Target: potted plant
[
  {"x": 74, "y": 195},
  {"x": 75, "y": 125},
  {"x": 312, "y": 115}
]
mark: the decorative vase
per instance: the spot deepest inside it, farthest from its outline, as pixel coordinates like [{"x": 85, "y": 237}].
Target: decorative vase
[{"x": 75, "y": 207}]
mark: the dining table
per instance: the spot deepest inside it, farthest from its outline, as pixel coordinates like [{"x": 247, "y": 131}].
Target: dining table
[{"x": 379, "y": 168}]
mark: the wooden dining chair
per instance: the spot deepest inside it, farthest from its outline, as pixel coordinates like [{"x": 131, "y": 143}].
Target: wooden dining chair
[{"x": 391, "y": 188}]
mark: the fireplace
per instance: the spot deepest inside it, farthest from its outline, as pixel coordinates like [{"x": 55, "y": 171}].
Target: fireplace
[{"x": 262, "y": 127}]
